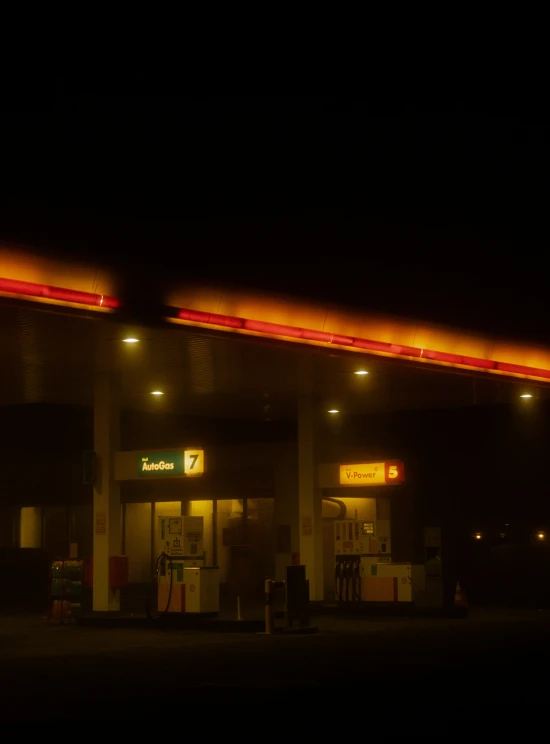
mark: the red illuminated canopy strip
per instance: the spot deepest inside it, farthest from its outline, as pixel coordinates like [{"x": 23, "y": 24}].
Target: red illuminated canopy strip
[
  {"x": 90, "y": 299},
  {"x": 276, "y": 329},
  {"x": 14, "y": 286}
]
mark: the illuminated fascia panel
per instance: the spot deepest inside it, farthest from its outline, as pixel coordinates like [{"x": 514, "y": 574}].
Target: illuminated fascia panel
[
  {"x": 26, "y": 273},
  {"x": 59, "y": 295},
  {"x": 64, "y": 296},
  {"x": 276, "y": 330}
]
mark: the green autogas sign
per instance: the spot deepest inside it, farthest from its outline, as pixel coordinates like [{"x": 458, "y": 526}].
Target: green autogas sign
[{"x": 157, "y": 464}]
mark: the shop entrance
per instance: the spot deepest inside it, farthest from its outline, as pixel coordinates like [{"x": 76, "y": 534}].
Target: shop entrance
[{"x": 239, "y": 538}]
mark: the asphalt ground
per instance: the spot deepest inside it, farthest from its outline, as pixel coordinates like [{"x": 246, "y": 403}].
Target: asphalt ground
[{"x": 420, "y": 676}]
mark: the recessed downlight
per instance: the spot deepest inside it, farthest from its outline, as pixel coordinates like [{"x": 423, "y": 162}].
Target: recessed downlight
[
  {"x": 157, "y": 392},
  {"x": 526, "y": 395},
  {"x": 361, "y": 372},
  {"x": 333, "y": 410},
  {"x": 131, "y": 340}
]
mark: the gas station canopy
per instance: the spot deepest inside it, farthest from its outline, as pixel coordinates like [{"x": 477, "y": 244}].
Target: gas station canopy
[{"x": 47, "y": 356}]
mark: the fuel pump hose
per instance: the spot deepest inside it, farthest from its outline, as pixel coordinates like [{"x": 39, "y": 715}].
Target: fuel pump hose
[{"x": 162, "y": 557}]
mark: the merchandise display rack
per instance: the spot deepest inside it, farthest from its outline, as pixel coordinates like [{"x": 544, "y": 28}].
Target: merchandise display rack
[{"x": 66, "y": 589}]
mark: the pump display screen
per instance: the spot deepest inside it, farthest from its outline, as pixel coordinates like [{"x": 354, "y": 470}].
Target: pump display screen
[{"x": 175, "y": 526}]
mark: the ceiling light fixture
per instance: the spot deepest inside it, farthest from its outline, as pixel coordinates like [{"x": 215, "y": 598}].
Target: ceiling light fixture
[
  {"x": 157, "y": 392},
  {"x": 361, "y": 372},
  {"x": 130, "y": 340},
  {"x": 526, "y": 395},
  {"x": 333, "y": 410}
]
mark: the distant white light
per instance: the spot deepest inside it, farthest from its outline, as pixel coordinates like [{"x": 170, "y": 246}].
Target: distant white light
[
  {"x": 361, "y": 372},
  {"x": 526, "y": 395},
  {"x": 333, "y": 410},
  {"x": 157, "y": 392},
  {"x": 130, "y": 340}
]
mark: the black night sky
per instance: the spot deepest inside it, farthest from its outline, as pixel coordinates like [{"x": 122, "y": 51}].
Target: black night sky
[{"x": 436, "y": 211}]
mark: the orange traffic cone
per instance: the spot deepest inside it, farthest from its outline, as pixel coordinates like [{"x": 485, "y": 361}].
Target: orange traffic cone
[{"x": 461, "y": 603}]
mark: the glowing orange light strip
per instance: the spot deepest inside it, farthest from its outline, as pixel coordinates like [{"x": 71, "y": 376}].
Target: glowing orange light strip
[
  {"x": 275, "y": 329},
  {"x": 48, "y": 293},
  {"x": 45, "y": 292}
]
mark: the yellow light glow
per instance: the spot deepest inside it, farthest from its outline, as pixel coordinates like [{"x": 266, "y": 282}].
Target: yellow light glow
[
  {"x": 333, "y": 410},
  {"x": 478, "y": 536},
  {"x": 541, "y": 535},
  {"x": 361, "y": 372},
  {"x": 526, "y": 395},
  {"x": 157, "y": 392},
  {"x": 130, "y": 340},
  {"x": 371, "y": 474},
  {"x": 193, "y": 462}
]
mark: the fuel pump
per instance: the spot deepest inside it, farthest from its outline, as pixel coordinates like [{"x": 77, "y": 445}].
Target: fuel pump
[
  {"x": 364, "y": 570},
  {"x": 161, "y": 570},
  {"x": 348, "y": 578},
  {"x": 357, "y": 546},
  {"x": 182, "y": 582}
]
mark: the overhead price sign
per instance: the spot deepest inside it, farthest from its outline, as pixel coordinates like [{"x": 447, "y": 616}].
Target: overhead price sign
[
  {"x": 372, "y": 474},
  {"x": 172, "y": 464}
]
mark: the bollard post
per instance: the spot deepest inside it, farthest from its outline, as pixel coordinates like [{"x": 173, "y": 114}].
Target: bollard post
[
  {"x": 304, "y": 614},
  {"x": 268, "y": 607},
  {"x": 296, "y": 594}
]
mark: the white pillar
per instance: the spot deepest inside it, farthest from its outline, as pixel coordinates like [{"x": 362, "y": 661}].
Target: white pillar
[
  {"x": 107, "y": 513},
  {"x": 309, "y": 498}
]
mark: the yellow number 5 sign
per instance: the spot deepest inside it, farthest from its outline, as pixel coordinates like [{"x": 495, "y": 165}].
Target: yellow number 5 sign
[{"x": 193, "y": 462}]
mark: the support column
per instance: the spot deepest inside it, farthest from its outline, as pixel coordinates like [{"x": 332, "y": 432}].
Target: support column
[
  {"x": 107, "y": 511},
  {"x": 286, "y": 517},
  {"x": 309, "y": 498}
]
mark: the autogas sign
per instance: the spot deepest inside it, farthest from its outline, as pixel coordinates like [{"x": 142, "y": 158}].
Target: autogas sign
[
  {"x": 372, "y": 474},
  {"x": 172, "y": 464}
]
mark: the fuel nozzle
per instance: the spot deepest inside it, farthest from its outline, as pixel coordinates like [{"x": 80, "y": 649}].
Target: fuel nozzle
[{"x": 162, "y": 564}]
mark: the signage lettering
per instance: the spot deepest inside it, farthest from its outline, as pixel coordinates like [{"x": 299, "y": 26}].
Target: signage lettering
[
  {"x": 355, "y": 474},
  {"x": 157, "y": 465},
  {"x": 175, "y": 464},
  {"x": 372, "y": 474}
]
